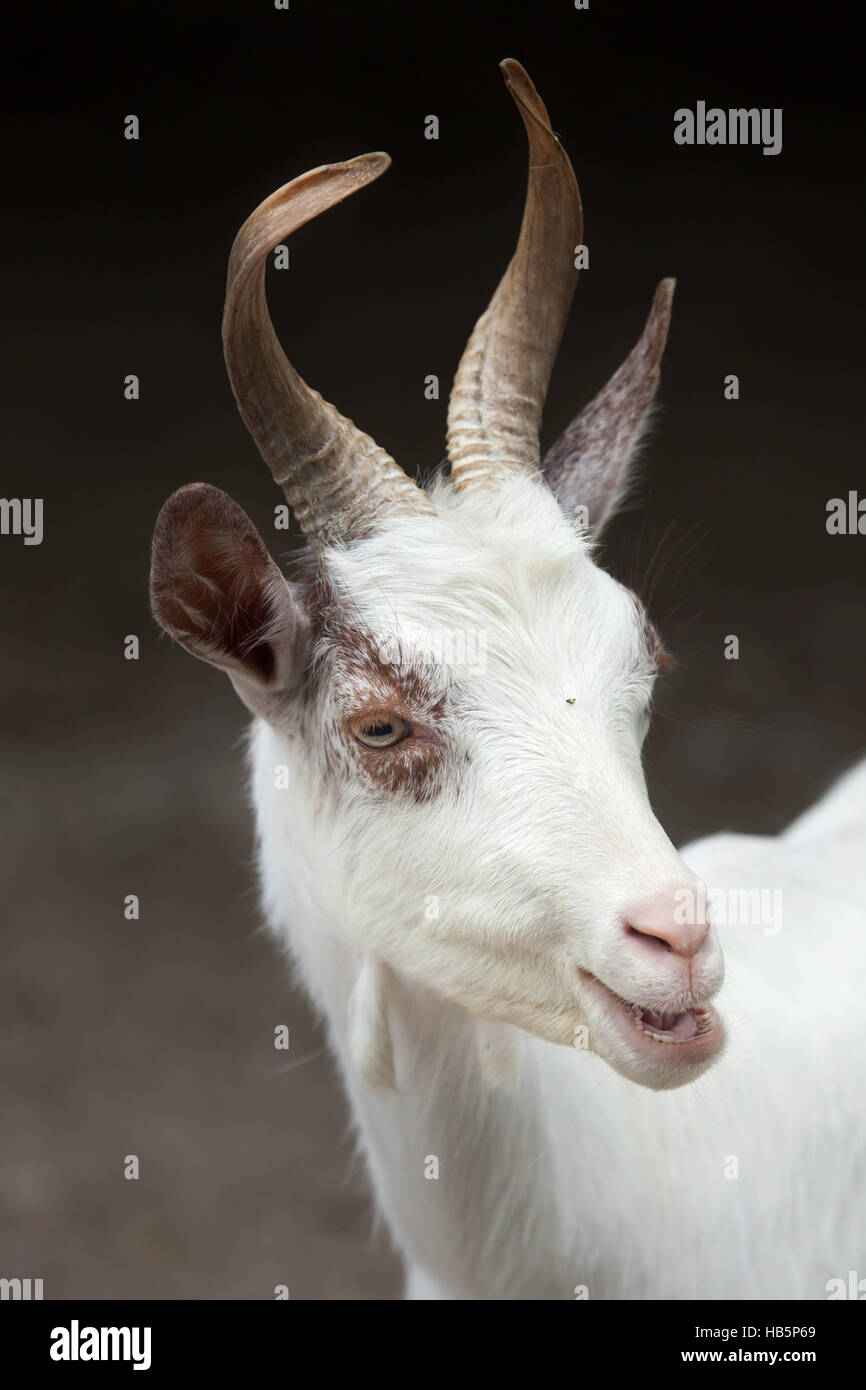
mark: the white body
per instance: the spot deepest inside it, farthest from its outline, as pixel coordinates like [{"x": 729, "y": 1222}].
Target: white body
[
  {"x": 573, "y": 1176},
  {"x": 557, "y": 1177}
]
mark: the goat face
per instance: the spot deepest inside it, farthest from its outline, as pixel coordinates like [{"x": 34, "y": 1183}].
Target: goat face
[
  {"x": 461, "y": 700},
  {"x": 459, "y": 692},
  {"x": 484, "y": 692}
]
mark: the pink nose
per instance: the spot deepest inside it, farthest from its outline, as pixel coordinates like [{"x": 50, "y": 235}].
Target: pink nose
[{"x": 675, "y": 918}]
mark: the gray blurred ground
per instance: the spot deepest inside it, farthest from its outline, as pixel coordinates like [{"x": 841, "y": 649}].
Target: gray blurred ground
[{"x": 155, "y": 1037}]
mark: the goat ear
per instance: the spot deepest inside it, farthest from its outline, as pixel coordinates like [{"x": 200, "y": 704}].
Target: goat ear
[
  {"x": 589, "y": 465},
  {"x": 215, "y": 589}
]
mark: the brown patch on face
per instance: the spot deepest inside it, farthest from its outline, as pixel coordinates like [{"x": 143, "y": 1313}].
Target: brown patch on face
[
  {"x": 373, "y": 690},
  {"x": 354, "y": 682}
]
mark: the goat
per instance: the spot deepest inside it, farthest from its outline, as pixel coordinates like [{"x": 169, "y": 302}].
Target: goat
[{"x": 517, "y": 968}]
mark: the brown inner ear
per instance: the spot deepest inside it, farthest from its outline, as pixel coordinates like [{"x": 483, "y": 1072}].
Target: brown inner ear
[
  {"x": 214, "y": 586},
  {"x": 218, "y": 602}
]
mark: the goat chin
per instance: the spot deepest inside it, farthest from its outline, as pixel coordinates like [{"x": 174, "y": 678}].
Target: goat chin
[{"x": 657, "y": 1074}]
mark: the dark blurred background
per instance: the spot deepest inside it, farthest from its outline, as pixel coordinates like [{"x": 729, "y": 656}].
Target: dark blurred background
[{"x": 155, "y": 1037}]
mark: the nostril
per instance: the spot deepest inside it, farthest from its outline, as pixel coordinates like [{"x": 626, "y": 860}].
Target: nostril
[
  {"x": 649, "y": 938},
  {"x": 659, "y": 924}
]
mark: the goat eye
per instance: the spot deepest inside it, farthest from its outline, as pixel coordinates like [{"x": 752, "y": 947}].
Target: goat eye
[{"x": 382, "y": 733}]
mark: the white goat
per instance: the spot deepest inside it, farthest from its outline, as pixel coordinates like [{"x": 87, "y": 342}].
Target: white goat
[{"x": 515, "y": 963}]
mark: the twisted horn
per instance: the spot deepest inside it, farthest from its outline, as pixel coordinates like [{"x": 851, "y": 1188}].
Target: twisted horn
[
  {"x": 494, "y": 413},
  {"x": 336, "y": 479}
]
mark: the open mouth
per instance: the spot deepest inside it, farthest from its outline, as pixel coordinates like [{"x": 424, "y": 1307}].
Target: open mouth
[
  {"x": 674, "y": 1028},
  {"x": 694, "y": 1036}
]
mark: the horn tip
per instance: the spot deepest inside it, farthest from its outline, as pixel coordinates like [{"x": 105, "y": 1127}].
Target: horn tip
[
  {"x": 371, "y": 165},
  {"x": 663, "y": 297},
  {"x": 517, "y": 79},
  {"x": 525, "y": 95},
  {"x": 509, "y": 67}
]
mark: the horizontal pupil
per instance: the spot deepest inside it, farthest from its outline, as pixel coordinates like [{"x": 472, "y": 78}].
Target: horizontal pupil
[{"x": 378, "y": 730}]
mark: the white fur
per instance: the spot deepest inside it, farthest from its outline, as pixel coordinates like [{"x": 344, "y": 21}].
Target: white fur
[{"x": 440, "y": 940}]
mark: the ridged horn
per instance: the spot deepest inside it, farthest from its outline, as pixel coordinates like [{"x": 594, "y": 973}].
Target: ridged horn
[
  {"x": 339, "y": 483},
  {"x": 494, "y": 414}
]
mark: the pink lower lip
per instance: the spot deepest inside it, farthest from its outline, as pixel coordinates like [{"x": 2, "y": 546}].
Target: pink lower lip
[{"x": 690, "y": 1037}]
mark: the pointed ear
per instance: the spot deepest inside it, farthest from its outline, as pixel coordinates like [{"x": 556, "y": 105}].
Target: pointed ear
[
  {"x": 216, "y": 590},
  {"x": 589, "y": 465}
]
